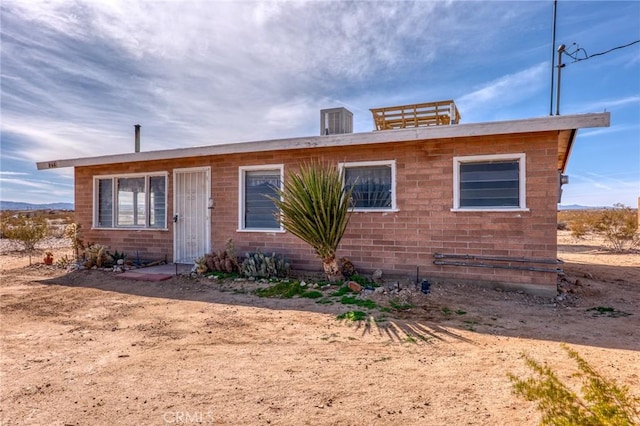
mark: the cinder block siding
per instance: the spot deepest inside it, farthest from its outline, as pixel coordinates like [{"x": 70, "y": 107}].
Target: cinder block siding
[{"x": 397, "y": 242}]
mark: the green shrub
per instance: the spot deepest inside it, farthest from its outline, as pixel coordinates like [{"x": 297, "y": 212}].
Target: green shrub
[
  {"x": 352, "y": 316},
  {"x": 398, "y": 305},
  {"x": 603, "y": 402},
  {"x": 26, "y": 231},
  {"x": 312, "y": 294},
  {"x": 363, "y": 281},
  {"x": 284, "y": 289},
  {"x": 342, "y": 291},
  {"x": 351, "y": 300}
]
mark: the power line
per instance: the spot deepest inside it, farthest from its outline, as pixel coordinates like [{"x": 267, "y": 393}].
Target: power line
[{"x": 575, "y": 55}]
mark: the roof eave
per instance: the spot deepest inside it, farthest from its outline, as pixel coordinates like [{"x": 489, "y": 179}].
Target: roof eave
[{"x": 552, "y": 123}]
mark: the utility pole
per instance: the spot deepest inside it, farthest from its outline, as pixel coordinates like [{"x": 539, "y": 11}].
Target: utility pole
[
  {"x": 553, "y": 54},
  {"x": 560, "y": 66}
]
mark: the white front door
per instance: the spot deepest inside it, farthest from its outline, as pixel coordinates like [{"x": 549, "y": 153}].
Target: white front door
[{"x": 191, "y": 220}]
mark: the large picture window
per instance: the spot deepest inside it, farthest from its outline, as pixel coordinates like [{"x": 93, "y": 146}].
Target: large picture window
[
  {"x": 130, "y": 201},
  {"x": 490, "y": 182},
  {"x": 373, "y": 184},
  {"x": 257, "y": 184}
]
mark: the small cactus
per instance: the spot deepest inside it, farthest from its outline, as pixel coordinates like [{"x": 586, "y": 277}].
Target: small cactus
[
  {"x": 96, "y": 255},
  {"x": 201, "y": 265},
  {"x": 222, "y": 261},
  {"x": 257, "y": 265}
]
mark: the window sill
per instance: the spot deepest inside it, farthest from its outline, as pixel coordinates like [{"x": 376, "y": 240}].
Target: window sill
[
  {"x": 263, "y": 231},
  {"x": 376, "y": 210},
  {"x": 95, "y": 228},
  {"x": 492, "y": 209}
]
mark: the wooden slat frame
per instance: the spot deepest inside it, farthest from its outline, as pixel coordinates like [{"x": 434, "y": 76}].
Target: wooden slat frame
[{"x": 416, "y": 115}]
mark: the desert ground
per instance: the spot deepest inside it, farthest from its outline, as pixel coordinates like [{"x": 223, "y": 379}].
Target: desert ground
[{"x": 86, "y": 348}]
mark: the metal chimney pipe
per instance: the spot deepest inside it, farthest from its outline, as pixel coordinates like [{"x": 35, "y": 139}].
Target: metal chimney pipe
[{"x": 137, "y": 132}]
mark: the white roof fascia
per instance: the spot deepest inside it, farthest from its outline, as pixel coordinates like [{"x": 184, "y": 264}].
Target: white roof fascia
[{"x": 551, "y": 123}]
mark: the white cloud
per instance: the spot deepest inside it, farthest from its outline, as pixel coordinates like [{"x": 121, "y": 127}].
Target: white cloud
[
  {"x": 6, "y": 173},
  {"x": 587, "y": 133},
  {"x": 607, "y": 104},
  {"x": 77, "y": 75},
  {"x": 504, "y": 91}
]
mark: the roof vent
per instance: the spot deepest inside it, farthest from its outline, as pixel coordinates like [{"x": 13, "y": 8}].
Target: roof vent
[{"x": 336, "y": 121}]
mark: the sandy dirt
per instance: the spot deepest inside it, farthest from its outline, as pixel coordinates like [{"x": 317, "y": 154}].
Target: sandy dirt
[{"x": 85, "y": 348}]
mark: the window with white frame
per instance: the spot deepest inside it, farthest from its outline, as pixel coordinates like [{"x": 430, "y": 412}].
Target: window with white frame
[
  {"x": 373, "y": 183},
  {"x": 257, "y": 212},
  {"x": 130, "y": 201},
  {"x": 489, "y": 182}
]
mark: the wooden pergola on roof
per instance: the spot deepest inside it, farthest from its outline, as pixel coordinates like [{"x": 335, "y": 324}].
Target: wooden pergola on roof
[{"x": 417, "y": 115}]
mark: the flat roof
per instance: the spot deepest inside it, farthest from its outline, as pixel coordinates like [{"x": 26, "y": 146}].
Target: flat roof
[{"x": 566, "y": 124}]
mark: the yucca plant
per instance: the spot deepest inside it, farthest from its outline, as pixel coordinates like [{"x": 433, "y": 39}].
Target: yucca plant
[{"x": 315, "y": 206}]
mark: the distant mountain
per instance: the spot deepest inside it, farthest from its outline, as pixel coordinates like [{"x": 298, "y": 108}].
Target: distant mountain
[
  {"x": 13, "y": 205},
  {"x": 577, "y": 207}
]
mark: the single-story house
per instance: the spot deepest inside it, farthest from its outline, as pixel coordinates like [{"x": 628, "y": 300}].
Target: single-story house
[{"x": 471, "y": 201}]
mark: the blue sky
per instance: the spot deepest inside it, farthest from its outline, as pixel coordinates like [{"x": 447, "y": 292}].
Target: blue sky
[{"x": 77, "y": 75}]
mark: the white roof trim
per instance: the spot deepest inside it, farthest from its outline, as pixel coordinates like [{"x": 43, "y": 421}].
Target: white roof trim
[{"x": 551, "y": 123}]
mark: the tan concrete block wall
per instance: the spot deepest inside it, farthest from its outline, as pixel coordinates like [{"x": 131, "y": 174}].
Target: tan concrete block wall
[{"x": 397, "y": 242}]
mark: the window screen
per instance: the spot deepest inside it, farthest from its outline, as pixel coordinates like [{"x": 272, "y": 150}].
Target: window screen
[
  {"x": 259, "y": 210},
  {"x": 371, "y": 186},
  {"x": 490, "y": 184}
]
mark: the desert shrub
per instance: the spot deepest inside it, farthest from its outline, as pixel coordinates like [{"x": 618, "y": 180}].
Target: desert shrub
[
  {"x": 25, "y": 230},
  {"x": 619, "y": 226},
  {"x": 58, "y": 222},
  {"x": 602, "y": 402},
  {"x": 64, "y": 262},
  {"x": 72, "y": 231},
  {"x": 580, "y": 222}
]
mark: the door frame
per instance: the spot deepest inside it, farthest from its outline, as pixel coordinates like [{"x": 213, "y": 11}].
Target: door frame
[{"x": 207, "y": 170}]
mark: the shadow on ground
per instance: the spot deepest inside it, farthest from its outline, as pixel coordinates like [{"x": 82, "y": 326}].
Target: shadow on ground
[{"x": 448, "y": 314}]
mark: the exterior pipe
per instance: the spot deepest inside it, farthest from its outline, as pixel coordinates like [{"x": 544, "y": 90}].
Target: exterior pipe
[
  {"x": 137, "y": 137},
  {"x": 484, "y": 265},
  {"x": 497, "y": 258}
]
